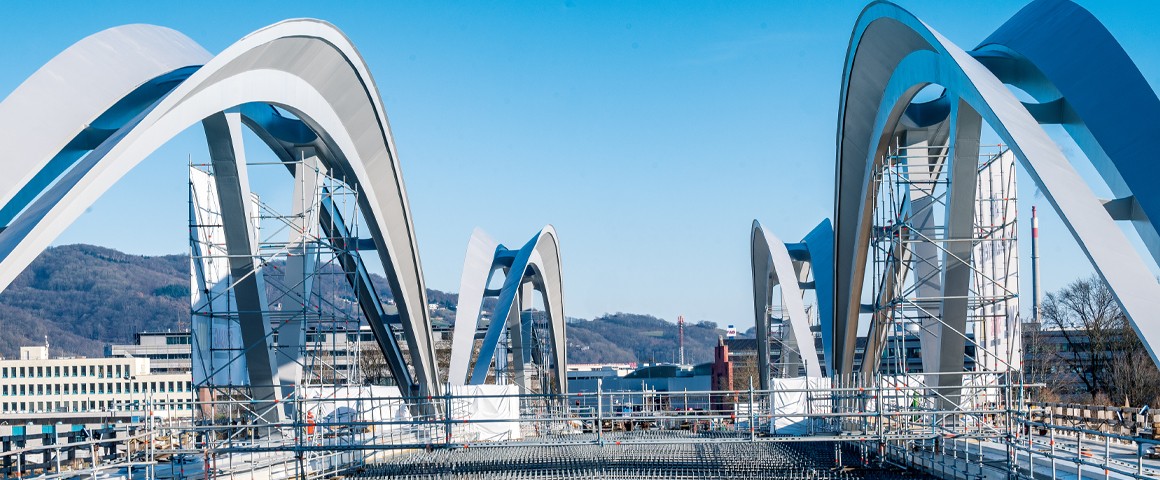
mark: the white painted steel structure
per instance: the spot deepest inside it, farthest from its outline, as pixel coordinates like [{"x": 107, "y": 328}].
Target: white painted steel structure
[
  {"x": 535, "y": 267},
  {"x": 773, "y": 264},
  {"x": 1080, "y": 78},
  {"x": 98, "y": 109}
]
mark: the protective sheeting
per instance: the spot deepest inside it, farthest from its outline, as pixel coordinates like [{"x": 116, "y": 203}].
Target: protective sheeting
[
  {"x": 996, "y": 260},
  {"x": 792, "y": 399},
  {"x": 487, "y": 413},
  {"x": 218, "y": 351},
  {"x": 358, "y": 403}
]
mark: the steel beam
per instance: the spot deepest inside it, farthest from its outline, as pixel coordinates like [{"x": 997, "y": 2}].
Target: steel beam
[
  {"x": 966, "y": 125},
  {"x": 223, "y": 132}
]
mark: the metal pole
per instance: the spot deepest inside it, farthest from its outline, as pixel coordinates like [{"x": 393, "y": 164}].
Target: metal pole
[
  {"x": 752, "y": 417},
  {"x": 299, "y": 436},
  {"x": 1139, "y": 459},
  {"x": 600, "y": 411},
  {"x": 1051, "y": 440},
  {"x": 1035, "y": 268},
  {"x": 447, "y": 413},
  {"x": 93, "y": 453},
  {"x": 1079, "y": 455},
  {"x": 1107, "y": 454},
  {"x": 878, "y": 405}
]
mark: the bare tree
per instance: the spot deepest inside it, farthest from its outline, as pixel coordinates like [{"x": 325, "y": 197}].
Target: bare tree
[
  {"x": 374, "y": 368},
  {"x": 1135, "y": 378},
  {"x": 1102, "y": 352},
  {"x": 1039, "y": 358}
]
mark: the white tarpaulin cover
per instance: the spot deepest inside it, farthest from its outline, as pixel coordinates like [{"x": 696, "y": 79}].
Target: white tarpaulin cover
[
  {"x": 363, "y": 403},
  {"x": 493, "y": 412},
  {"x": 789, "y": 402},
  {"x": 218, "y": 352}
]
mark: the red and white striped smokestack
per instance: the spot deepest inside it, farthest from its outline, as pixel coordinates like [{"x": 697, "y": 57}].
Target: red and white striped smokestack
[{"x": 1035, "y": 300}]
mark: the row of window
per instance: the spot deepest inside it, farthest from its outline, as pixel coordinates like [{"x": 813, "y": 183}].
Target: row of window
[
  {"x": 89, "y": 406},
  {"x": 167, "y": 356},
  {"x": 350, "y": 337},
  {"x": 99, "y": 371},
  {"x": 95, "y": 388}
]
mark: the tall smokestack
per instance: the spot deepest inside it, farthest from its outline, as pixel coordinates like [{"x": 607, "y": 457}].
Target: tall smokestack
[
  {"x": 681, "y": 339},
  {"x": 1035, "y": 305}
]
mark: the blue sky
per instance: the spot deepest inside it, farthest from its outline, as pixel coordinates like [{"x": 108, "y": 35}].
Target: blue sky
[{"x": 649, "y": 133}]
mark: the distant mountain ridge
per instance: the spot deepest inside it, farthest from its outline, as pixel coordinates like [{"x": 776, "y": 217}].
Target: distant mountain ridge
[{"x": 84, "y": 297}]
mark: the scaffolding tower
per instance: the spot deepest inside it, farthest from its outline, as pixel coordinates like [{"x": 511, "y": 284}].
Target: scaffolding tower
[
  {"x": 911, "y": 247},
  {"x": 325, "y": 354}
]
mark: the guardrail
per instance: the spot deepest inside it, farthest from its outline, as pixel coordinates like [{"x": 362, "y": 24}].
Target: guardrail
[{"x": 885, "y": 425}]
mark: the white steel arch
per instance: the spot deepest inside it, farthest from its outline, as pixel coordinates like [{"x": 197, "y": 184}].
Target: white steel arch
[
  {"x": 773, "y": 266},
  {"x": 893, "y": 55},
  {"x": 306, "y": 67},
  {"x": 534, "y": 267}
]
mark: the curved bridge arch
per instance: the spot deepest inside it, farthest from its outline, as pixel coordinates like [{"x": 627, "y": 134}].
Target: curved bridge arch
[
  {"x": 339, "y": 114},
  {"x": 772, "y": 265},
  {"x": 534, "y": 267},
  {"x": 1071, "y": 77},
  {"x": 893, "y": 55}
]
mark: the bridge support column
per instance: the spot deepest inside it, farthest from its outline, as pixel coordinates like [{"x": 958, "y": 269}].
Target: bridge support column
[{"x": 223, "y": 132}]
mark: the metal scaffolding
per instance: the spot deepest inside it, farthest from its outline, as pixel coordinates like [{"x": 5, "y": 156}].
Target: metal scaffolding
[
  {"x": 909, "y": 255},
  {"x": 318, "y": 335}
]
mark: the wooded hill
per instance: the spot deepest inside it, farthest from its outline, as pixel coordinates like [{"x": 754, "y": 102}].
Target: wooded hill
[{"x": 84, "y": 297}]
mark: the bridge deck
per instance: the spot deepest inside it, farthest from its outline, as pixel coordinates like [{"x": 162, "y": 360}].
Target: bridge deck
[{"x": 817, "y": 460}]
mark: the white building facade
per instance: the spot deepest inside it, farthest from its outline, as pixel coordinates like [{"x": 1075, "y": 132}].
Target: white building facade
[{"x": 37, "y": 384}]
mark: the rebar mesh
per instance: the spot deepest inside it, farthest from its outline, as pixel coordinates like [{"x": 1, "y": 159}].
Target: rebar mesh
[{"x": 707, "y": 460}]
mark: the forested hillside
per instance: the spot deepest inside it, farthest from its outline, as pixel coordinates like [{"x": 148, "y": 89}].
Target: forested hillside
[
  {"x": 84, "y": 297},
  {"x": 628, "y": 337}
]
